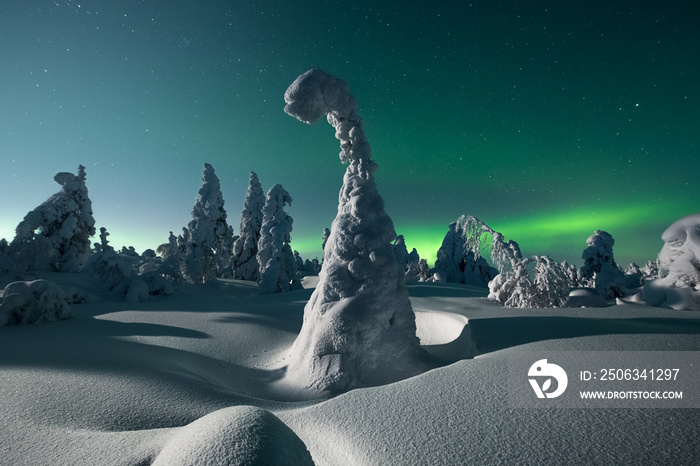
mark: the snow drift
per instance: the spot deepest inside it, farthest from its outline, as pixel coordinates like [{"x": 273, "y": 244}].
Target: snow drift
[{"x": 242, "y": 435}]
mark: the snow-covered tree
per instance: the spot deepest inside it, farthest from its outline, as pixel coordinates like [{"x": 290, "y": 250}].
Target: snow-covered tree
[
  {"x": 408, "y": 262},
  {"x": 56, "y": 234},
  {"x": 112, "y": 271},
  {"x": 207, "y": 236},
  {"x": 244, "y": 263},
  {"x": 171, "y": 259},
  {"x": 359, "y": 328},
  {"x": 536, "y": 281},
  {"x": 459, "y": 258},
  {"x": 599, "y": 266},
  {"x": 678, "y": 285},
  {"x": 278, "y": 267}
]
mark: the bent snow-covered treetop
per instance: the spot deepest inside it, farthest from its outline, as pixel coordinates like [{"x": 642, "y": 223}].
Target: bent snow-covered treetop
[{"x": 317, "y": 93}]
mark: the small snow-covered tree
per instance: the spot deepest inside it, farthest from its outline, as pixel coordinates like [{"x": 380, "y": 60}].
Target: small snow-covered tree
[
  {"x": 244, "y": 263},
  {"x": 359, "y": 327},
  {"x": 278, "y": 267},
  {"x": 600, "y": 267},
  {"x": 207, "y": 235},
  {"x": 408, "y": 262},
  {"x": 64, "y": 221},
  {"x": 171, "y": 259}
]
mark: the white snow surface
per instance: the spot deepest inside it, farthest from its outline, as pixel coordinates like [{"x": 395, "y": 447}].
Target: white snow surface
[{"x": 184, "y": 376}]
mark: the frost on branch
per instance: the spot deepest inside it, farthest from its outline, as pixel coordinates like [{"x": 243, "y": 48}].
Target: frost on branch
[
  {"x": 359, "y": 328},
  {"x": 678, "y": 285}
]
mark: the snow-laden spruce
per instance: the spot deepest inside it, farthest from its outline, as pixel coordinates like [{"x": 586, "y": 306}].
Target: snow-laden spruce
[
  {"x": 278, "y": 268},
  {"x": 55, "y": 235},
  {"x": 600, "y": 267},
  {"x": 359, "y": 328},
  {"x": 208, "y": 237},
  {"x": 679, "y": 267},
  {"x": 244, "y": 263}
]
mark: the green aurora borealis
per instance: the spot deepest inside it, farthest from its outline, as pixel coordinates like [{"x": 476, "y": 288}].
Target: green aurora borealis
[{"x": 545, "y": 119}]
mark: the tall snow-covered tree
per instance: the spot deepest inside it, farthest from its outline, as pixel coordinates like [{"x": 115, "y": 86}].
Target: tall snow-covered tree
[
  {"x": 56, "y": 234},
  {"x": 359, "y": 328},
  {"x": 278, "y": 267},
  {"x": 245, "y": 248},
  {"x": 207, "y": 234}
]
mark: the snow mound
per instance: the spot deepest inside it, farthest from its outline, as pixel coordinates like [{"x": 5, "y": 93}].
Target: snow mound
[
  {"x": 437, "y": 327},
  {"x": 33, "y": 301},
  {"x": 240, "y": 435},
  {"x": 584, "y": 297},
  {"x": 679, "y": 267}
]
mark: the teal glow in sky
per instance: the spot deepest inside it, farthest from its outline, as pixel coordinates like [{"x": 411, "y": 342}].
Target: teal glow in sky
[{"x": 545, "y": 119}]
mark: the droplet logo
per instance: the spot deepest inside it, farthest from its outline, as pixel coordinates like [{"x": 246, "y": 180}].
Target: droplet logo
[{"x": 544, "y": 371}]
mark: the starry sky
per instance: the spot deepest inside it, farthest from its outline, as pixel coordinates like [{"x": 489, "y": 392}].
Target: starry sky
[{"x": 545, "y": 119}]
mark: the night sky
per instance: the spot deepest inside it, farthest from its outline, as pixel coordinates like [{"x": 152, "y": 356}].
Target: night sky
[{"x": 545, "y": 119}]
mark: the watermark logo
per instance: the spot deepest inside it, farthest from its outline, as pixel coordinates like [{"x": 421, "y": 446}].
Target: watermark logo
[{"x": 542, "y": 373}]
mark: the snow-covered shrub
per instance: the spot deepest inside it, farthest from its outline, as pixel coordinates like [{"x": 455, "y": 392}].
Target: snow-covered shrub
[
  {"x": 112, "y": 271},
  {"x": 65, "y": 221},
  {"x": 359, "y": 327},
  {"x": 278, "y": 268},
  {"x": 207, "y": 236},
  {"x": 170, "y": 266},
  {"x": 535, "y": 281},
  {"x": 33, "y": 301},
  {"x": 678, "y": 285},
  {"x": 116, "y": 272},
  {"x": 600, "y": 267},
  {"x": 244, "y": 263}
]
